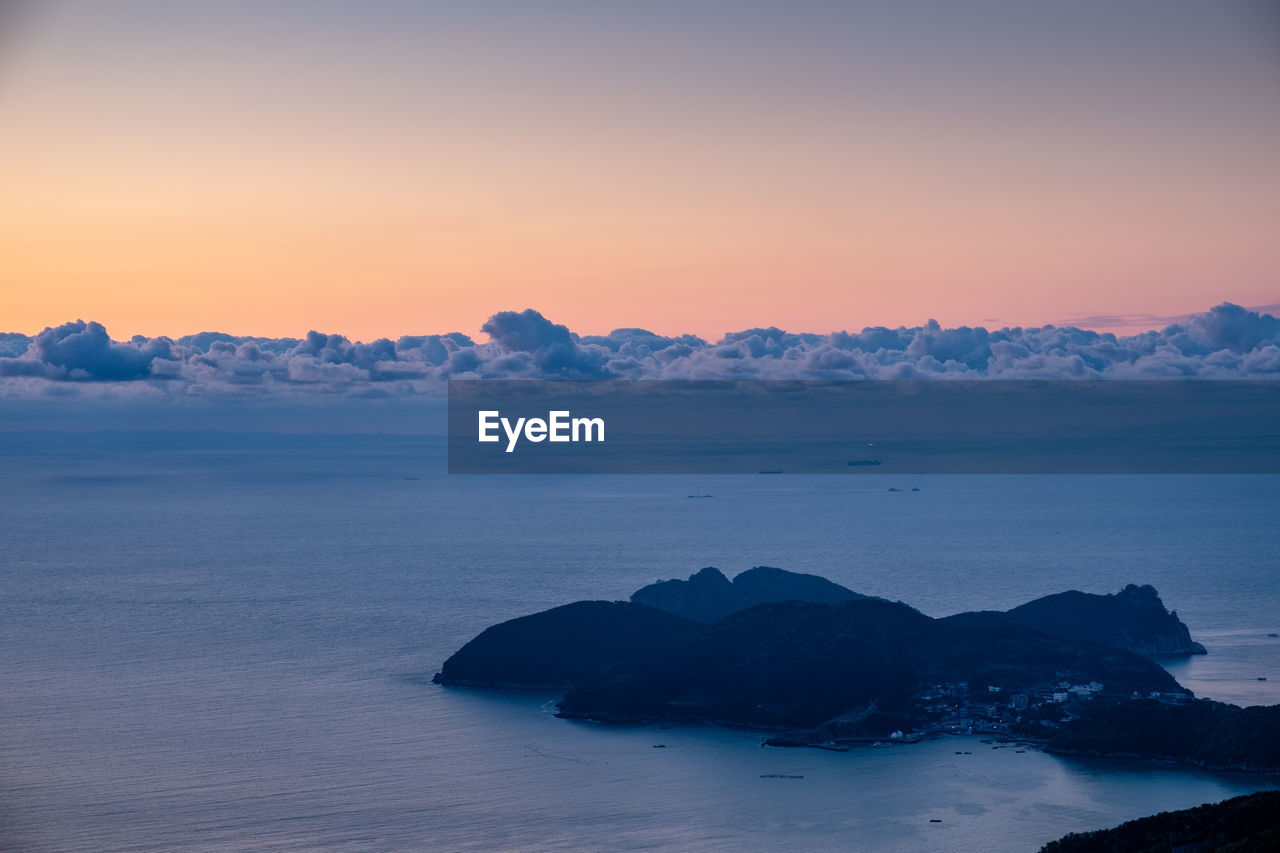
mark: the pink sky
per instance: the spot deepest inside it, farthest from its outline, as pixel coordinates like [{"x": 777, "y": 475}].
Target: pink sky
[{"x": 376, "y": 173}]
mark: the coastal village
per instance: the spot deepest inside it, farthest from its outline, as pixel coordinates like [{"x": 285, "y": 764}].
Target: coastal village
[
  {"x": 953, "y": 708},
  {"x": 1028, "y": 716}
]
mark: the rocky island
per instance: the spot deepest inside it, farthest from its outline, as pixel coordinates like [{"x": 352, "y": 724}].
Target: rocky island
[{"x": 818, "y": 664}]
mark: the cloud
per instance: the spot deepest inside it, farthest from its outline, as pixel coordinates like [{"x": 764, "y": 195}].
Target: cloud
[
  {"x": 84, "y": 351},
  {"x": 1230, "y": 327},
  {"x": 13, "y": 345},
  {"x": 554, "y": 350},
  {"x": 525, "y": 331},
  {"x": 1225, "y": 342}
]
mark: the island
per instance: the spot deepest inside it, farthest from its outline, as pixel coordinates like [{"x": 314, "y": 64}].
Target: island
[{"x": 815, "y": 664}]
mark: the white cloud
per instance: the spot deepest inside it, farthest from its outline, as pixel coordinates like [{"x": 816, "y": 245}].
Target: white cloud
[{"x": 80, "y": 359}]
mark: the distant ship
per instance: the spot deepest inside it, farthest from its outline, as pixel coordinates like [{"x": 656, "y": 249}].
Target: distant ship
[
  {"x": 772, "y": 471},
  {"x": 857, "y": 462}
]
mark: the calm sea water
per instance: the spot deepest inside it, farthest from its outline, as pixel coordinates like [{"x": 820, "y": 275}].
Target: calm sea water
[{"x": 228, "y": 645}]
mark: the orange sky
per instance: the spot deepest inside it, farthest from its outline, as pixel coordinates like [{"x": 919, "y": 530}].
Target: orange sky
[{"x": 167, "y": 171}]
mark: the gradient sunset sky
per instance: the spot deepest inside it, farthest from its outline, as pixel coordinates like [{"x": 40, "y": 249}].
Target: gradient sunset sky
[{"x": 384, "y": 168}]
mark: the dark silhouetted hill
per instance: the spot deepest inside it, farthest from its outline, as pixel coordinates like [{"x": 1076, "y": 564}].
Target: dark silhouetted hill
[
  {"x": 559, "y": 647},
  {"x": 1134, "y": 618},
  {"x": 708, "y": 596},
  {"x": 1212, "y": 734},
  {"x": 1248, "y": 824},
  {"x": 800, "y": 664}
]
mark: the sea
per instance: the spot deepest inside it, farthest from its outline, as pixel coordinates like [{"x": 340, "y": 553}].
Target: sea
[{"x": 216, "y": 642}]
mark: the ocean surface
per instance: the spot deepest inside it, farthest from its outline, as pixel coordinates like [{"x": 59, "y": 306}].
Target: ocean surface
[{"x": 226, "y": 643}]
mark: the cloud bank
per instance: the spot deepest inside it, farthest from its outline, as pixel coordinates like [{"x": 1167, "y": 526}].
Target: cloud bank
[{"x": 81, "y": 359}]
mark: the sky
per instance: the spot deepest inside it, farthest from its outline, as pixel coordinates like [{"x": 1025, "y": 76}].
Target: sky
[{"x": 386, "y": 168}]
